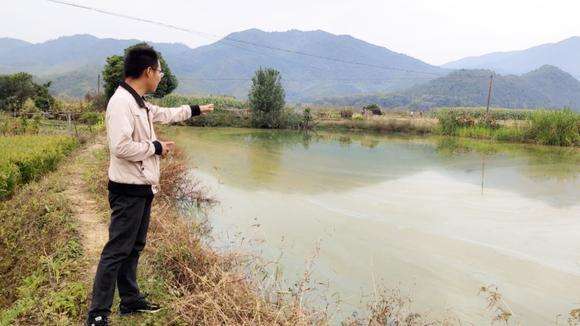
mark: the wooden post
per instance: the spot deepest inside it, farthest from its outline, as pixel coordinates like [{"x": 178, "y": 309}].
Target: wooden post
[
  {"x": 68, "y": 120},
  {"x": 75, "y": 125},
  {"x": 489, "y": 94}
]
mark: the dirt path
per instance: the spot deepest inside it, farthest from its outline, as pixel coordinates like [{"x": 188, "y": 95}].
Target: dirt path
[{"x": 93, "y": 229}]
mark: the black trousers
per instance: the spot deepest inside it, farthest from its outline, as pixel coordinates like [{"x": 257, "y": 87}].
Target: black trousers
[{"x": 118, "y": 264}]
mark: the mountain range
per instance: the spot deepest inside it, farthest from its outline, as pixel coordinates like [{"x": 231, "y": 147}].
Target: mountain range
[
  {"x": 226, "y": 66},
  {"x": 316, "y": 65}
]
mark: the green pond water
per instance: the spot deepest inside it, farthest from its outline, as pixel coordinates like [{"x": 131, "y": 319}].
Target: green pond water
[{"x": 435, "y": 217}]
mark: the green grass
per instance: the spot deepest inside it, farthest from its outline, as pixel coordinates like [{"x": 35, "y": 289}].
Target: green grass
[
  {"x": 512, "y": 134},
  {"x": 480, "y": 112},
  {"x": 26, "y": 157},
  {"x": 544, "y": 127}
]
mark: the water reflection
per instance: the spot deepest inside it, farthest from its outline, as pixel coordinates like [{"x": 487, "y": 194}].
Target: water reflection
[
  {"x": 294, "y": 162},
  {"x": 545, "y": 173}
]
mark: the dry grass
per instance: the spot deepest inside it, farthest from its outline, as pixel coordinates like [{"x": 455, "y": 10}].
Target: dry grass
[{"x": 383, "y": 124}]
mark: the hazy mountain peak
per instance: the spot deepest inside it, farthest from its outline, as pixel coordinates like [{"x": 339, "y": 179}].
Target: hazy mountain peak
[{"x": 564, "y": 55}]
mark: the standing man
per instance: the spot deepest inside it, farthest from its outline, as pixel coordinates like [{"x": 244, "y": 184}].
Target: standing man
[{"x": 135, "y": 153}]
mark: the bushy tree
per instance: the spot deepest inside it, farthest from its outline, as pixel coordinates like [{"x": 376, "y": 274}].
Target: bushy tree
[
  {"x": 15, "y": 89},
  {"x": 113, "y": 75},
  {"x": 266, "y": 98}
]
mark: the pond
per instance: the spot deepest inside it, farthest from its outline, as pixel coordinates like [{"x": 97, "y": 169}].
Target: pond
[{"x": 435, "y": 217}]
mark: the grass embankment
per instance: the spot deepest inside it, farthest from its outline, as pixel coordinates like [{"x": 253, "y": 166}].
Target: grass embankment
[
  {"x": 41, "y": 257},
  {"x": 545, "y": 127}
]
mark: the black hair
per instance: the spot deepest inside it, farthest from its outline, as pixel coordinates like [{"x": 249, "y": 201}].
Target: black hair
[{"x": 138, "y": 59}]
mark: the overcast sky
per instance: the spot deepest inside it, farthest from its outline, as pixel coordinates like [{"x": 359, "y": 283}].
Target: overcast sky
[{"x": 435, "y": 31}]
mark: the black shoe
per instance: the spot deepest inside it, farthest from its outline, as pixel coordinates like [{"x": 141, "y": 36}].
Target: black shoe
[
  {"x": 98, "y": 321},
  {"x": 141, "y": 305}
]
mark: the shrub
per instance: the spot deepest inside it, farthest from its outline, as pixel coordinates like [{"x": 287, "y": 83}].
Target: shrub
[
  {"x": 560, "y": 127},
  {"x": 450, "y": 121}
]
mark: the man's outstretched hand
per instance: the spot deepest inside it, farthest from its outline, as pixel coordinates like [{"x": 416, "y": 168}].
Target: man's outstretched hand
[{"x": 206, "y": 108}]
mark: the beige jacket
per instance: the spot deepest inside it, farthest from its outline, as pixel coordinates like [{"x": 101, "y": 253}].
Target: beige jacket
[{"x": 129, "y": 123}]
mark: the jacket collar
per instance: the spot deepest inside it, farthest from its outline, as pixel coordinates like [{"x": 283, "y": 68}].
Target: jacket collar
[{"x": 136, "y": 96}]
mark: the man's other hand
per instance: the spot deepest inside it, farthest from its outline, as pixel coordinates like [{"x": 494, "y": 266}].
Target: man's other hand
[{"x": 167, "y": 146}]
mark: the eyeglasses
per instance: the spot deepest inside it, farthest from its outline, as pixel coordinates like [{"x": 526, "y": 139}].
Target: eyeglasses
[{"x": 160, "y": 71}]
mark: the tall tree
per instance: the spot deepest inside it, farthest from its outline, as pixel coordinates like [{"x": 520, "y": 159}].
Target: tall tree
[{"x": 266, "y": 98}]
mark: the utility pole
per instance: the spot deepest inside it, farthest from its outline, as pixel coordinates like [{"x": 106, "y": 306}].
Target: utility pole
[{"x": 489, "y": 94}]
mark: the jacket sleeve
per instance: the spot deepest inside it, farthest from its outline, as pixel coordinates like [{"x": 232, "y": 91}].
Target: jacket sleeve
[
  {"x": 169, "y": 115},
  {"x": 120, "y": 125}
]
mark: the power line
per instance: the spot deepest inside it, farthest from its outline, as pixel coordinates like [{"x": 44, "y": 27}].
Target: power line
[
  {"x": 231, "y": 39},
  {"x": 396, "y": 78},
  {"x": 301, "y": 79}
]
